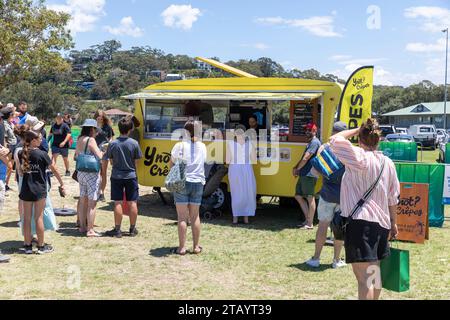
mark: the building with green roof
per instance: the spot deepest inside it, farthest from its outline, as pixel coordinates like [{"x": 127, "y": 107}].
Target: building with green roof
[{"x": 422, "y": 113}]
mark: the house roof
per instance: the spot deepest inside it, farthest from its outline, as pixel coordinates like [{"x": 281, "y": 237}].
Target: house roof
[
  {"x": 426, "y": 108},
  {"x": 117, "y": 112}
]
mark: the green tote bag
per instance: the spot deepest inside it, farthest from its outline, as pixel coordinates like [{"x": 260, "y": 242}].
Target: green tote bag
[{"x": 395, "y": 271}]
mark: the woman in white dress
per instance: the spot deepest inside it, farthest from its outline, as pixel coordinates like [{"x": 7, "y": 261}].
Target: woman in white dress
[{"x": 240, "y": 155}]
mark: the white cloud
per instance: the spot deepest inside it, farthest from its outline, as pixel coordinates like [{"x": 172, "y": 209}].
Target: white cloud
[
  {"x": 84, "y": 13},
  {"x": 126, "y": 28},
  {"x": 180, "y": 16},
  {"x": 339, "y": 57},
  {"x": 433, "y": 19},
  {"x": 439, "y": 46},
  {"x": 322, "y": 26}
]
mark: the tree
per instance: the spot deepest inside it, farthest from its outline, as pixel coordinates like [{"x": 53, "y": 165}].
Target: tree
[
  {"x": 48, "y": 101},
  {"x": 30, "y": 35}
]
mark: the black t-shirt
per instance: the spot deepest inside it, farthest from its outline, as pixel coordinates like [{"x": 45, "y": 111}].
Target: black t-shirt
[
  {"x": 34, "y": 184},
  {"x": 60, "y": 132},
  {"x": 104, "y": 134}
]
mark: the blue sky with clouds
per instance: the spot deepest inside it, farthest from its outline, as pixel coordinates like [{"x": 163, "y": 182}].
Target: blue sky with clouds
[{"x": 402, "y": 38}]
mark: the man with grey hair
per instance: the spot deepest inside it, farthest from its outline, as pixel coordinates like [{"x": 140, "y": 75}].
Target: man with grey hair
[{"x": 328, "y": 205}]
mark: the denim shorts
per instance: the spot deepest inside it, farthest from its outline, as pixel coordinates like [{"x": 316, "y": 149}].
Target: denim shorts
[
  {"x": 192, "y": 194},
  {"x": 62, "y": 151}
]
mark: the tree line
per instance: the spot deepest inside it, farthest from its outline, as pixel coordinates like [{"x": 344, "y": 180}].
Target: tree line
[{"x": 33, "y": 69}]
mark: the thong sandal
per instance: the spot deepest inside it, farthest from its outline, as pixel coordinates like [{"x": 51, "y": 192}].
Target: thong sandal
[
  {"x": 175, "y": 251},
  {"x": 198, "y": 251}
]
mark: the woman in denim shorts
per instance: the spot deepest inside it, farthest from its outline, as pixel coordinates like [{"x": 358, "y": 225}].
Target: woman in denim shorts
[{"x": 193, "y": 152}]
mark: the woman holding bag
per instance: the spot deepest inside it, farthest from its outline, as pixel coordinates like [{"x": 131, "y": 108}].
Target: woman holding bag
[
  {"x": 374, "y": 222},
  {"x": 89, "y": 178},
  {"x": 188, "y": 201}
]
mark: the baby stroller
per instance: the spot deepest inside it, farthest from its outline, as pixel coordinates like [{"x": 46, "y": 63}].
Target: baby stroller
[{"x": 209, "y": 209}]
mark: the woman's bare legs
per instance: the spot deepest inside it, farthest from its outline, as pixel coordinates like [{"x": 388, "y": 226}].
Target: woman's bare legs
[
  {"x": 194, "y": 215},
  {"x": 39, "y": 207},
  {"x": 91, "y": 218},
  {"x": 83, "y": 213},
  {"x": 369, "y": 280},
  {"x": 183, "y": 214}
]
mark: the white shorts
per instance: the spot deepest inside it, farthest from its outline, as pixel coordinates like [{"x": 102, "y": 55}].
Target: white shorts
[
  {"x": 326, "y": 210},
  {"x": 89, "y": 185}
]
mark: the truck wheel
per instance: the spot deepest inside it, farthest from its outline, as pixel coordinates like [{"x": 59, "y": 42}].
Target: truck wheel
[{"x": 224, "y": 198}]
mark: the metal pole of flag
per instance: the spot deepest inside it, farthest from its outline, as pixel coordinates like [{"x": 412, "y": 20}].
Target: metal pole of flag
[{"x": 445, "y": 86}]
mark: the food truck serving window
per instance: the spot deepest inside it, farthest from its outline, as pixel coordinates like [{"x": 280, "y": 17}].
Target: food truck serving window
[{"x": 162, "y": 118}]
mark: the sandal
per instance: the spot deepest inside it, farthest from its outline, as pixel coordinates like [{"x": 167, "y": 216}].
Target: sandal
[
  {"x": 175, "y": 251},
  {"x": 93, "y": 235},
  {"x": 306, "y": 227},
  {"x": 198, "y": 250}
]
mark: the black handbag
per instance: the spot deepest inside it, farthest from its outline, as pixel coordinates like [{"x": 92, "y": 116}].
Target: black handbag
[{"x": 339, "y": 223}]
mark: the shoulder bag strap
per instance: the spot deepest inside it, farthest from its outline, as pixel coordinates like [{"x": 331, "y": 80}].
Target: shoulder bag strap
[
  {"x": 369, "y": 191},
  {"x": 87, "y": 144}
]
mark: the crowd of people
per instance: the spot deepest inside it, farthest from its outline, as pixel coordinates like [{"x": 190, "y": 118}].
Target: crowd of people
[{"x": 371, "y": 225}]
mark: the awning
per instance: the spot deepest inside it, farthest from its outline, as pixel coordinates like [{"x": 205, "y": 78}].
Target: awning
[{"x": 224, "y": 95}]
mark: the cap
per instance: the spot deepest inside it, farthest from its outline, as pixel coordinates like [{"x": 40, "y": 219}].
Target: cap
[
  {"x": 311, "y": 127},
  {"x": 339, "y": 126},
  {"x": 6, "y": 110},
  {"x": 34, "y": 123},
  {"x": 90, "y": 123}
]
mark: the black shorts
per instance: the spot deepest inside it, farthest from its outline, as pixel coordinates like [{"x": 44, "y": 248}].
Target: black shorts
[
  {"x": 128, "y": 186},
  {"x": 366, "y": 242}
]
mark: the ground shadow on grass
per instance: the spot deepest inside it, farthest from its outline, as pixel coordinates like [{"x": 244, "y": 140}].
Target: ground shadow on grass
[
  {"x": 10, "y": 224},
  {"x": 69, "y": 229},
  {"x": 306, "y": 268},
  {"x": 162, "y": 252},
  {"x": 11, "y": 247}
]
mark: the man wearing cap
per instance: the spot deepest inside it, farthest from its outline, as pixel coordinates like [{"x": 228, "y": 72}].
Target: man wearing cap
[
  {"x": 307, "y": 181},
  {"x": 328, "y": 205},
  {"x": 61, "y": 136}
]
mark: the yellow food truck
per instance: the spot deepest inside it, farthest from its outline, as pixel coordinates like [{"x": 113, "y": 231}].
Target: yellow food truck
[{"x": 226, "y": 103}]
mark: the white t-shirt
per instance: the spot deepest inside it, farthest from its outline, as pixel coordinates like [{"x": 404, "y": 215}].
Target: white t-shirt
[{"x": 195, "y": 156}]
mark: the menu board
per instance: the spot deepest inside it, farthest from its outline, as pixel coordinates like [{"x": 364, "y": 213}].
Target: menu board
[{"x": 302, "y": 114}]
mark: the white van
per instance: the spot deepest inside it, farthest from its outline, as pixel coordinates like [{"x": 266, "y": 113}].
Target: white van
[{"x": 425, "y": 134}]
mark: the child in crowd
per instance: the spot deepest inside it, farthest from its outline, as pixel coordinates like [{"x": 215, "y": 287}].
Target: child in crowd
[
  {"x": 124, "y": 153},
  {"x": 33, "y": 192}
]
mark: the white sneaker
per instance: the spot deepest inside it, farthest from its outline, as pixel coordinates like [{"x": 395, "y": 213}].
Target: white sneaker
[
  {"x": 313, "y": 263},
  {"x": 339, "y": 264}
]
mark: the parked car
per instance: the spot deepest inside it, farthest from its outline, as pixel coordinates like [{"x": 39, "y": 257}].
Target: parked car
[
  {"x": 401, "y": 130},
  {"x": 387, "y": 129},
  {"x": 425, "y": 134},
  {"x": 396, "y": 137}
]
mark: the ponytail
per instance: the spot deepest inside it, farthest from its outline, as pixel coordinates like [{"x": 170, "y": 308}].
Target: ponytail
[{"x": 28, "y": 137}]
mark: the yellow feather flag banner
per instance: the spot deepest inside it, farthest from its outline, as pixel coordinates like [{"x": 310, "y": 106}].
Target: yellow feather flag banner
[{"x": 356, "y": 100}]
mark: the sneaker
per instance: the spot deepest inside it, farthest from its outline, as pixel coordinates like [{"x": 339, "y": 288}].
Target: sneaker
[
  {"x": 67, "y": 173},
  {"x": 114, "y": 233},
  {"x": 101, "y": 197},
  {"x": 28, "y": 249},
  {"x": 339, "y": 264},
  {"x": 134, "y": 232},
  {"x": 313, "y": 263},
  {"x": 46, "y": 248}
]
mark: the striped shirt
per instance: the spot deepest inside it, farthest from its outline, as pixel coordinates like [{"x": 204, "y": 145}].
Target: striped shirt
[{"x": 361, "y": 170}]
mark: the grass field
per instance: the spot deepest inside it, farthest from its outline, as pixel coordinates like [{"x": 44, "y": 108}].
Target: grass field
[{"x": 261, "y": 261}]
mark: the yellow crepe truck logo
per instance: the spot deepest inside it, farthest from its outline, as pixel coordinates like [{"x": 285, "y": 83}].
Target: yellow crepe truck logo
[
  {"x": 158, "y": 162},
  {"x": 356, "y": 99}
]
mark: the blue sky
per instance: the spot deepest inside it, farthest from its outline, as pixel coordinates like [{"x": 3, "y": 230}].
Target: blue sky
[{"x": 402, "y": 38}]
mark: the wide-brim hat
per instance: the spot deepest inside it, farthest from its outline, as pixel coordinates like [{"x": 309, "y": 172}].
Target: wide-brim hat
[{"x": 90, "y": 123}]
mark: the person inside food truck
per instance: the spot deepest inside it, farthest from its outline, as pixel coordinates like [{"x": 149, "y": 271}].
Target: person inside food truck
[{"x": 200, "y": 111}]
